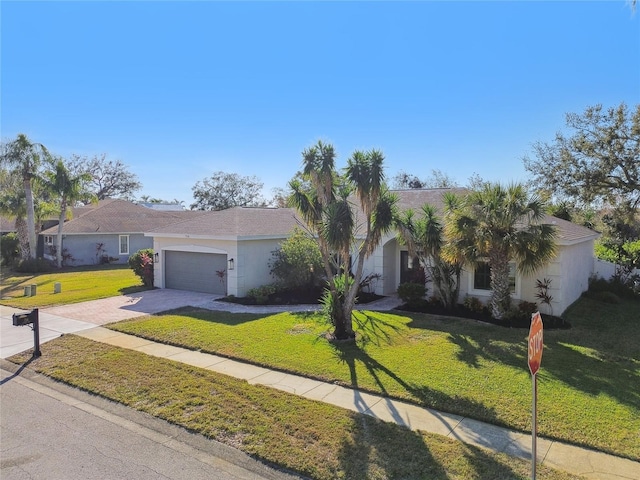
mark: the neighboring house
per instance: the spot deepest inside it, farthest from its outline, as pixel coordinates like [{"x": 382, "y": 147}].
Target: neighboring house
[
  {"x": 7, "y": 225},
  {"x": 109, "y": 231},
  {"x": 228, "y": 252}
]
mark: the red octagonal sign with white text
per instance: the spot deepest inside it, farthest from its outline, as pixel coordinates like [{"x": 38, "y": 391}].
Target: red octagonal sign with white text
[{"x": 535, "y": 343}]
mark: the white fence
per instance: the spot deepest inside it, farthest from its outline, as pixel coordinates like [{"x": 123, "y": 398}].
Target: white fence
[{"x": 606, "y": 270}]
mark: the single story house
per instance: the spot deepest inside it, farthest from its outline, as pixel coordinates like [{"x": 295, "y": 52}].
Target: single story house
[
  {"x": 228, "y": 252},
  {"x": 109, "y": 231}
]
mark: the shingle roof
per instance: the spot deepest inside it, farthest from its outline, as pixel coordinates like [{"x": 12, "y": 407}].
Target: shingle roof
[
  {"x": 247, "y": 222},
  {"x": 119, "y": 216},
  {"x": 7, "y": 224},
  {"x": 236, "y": 222}
]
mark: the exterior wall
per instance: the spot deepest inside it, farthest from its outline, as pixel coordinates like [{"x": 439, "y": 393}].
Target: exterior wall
[
  {"x": 250, "y": 257},
  {"x": 83, "y": 248}
]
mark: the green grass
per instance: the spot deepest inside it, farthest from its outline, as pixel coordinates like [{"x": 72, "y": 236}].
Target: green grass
[
  {"x": 317, "y": 440},
  {"x": 78, "y": 284},
  {"x": 587, "y": 385}
]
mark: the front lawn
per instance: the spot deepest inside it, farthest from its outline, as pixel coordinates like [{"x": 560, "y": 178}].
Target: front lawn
[
  {"x": 317, "y": 440},
  {"x": 587, "y": 385},
  {"x": 79, "y": 284}
]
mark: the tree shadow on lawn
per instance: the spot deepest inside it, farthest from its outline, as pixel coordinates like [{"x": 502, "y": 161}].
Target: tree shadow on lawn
[
  {"x": 606, "y": 372},
  {"x": 379, "y": 449},
  {"x": 214, "y": 316},
  {"x": 352, "y": 354}
]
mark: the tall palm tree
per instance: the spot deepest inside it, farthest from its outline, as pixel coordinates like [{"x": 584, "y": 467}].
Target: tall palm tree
[
  {"x": 324, "y": 200},
  {"x": 424, "y": 237},
  {"x": 69, "y": 189},
  {"x": 25, "y": 157},
  {"x": 499, "y": 224}
]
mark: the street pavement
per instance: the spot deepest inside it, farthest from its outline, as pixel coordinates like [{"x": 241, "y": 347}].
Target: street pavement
[
  {"x": 68, "y": 319},
  {"x": 52, "y": 431}
]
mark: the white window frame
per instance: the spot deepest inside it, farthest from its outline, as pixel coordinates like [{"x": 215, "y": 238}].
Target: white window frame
[
  {"x": 121, "y": 252},
  {"x": 515, "y": 293},
  {"x": 48, "y": 240}
]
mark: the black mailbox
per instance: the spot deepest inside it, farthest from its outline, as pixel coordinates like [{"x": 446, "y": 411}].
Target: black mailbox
[{"x": 20, "y": 319}]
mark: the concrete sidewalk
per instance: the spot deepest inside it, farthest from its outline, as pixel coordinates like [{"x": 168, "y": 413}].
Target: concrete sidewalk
[
  {"x": 589, "y": 463},
  {"x": 85, "y": 319}
]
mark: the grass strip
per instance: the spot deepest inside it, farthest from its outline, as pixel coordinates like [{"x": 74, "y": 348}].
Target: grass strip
[
  {"x": 79, "y": 284},
  {"x": 588, "y": 381},
  {"x": 314, "y": 439}
]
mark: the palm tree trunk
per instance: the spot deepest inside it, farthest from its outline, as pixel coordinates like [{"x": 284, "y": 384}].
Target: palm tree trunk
[
  {"x": 500, "y": 289},
  {"x": 31, "y": 218},
  {"x": 23, "y": 237},
  {"x": 63, "y": 215}
]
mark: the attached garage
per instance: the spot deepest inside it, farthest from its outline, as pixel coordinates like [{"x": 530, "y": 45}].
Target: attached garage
[{"x": 195, "y": 271}]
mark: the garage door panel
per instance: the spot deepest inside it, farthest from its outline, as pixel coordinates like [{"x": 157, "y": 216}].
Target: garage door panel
[{"x": 194, "y": 271}]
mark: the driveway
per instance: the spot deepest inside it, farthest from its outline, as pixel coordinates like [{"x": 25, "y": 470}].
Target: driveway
[{"x": 57, "y": 321}]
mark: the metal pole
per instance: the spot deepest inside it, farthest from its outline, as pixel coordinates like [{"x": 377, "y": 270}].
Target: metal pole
[
  {"x": 36, "y": 333},
  {"x": 534, "y": 425}
]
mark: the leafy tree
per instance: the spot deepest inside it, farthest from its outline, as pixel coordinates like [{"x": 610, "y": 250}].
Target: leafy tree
[
  {"x": 225, "y": 190},
  {"x": 438, "y": 179},
  {"x": 498, "y": 224},
  {"x": 24, "y": 157},
  {"x": 297, "y": 263},
  {"x": 425, "y": 239},
  {"x": 68, "y": 189},
  {"x": 109, "y": 178},
  {"x": 597, "y": 162},
  {"x": 9, "y": 248},
  {"x": 338, "y": 225},
  {"x": 150, "y": 199}
]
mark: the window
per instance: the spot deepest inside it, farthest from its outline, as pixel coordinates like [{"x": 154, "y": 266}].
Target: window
[
  {"x": 124, "y": 244},
  {"x": 482, "y": 277},
  {"x": 48, "y": 239},
  {"x": 410, "y": 269}
]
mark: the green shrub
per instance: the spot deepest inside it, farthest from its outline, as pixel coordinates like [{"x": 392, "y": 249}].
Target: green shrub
[
  {"x": 606, "y": 297},
  {"x": 34, "y": 265},
  {"x": 141, "y": 263},
  {"x": 473, "y": 304},
  {"x": 9, "y": 248},
  {"x": 412, "y": 293},
  {"x": 261, "y": 294},
  {"x": 297, "y": 263},
  {"x": 525, "y": 308}
]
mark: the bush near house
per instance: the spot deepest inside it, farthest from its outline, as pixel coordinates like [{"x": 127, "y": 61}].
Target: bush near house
[{"x": 141, "y": 263}]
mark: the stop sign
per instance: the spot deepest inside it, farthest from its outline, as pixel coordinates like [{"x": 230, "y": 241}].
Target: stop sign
[{"x": 535, "y": 343}]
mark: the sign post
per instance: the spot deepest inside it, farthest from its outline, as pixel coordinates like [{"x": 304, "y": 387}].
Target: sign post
[{"x": 535, "y": 358}]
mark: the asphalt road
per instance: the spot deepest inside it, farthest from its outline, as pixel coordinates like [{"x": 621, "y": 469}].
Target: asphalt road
[{"x": 50, "y": 431}]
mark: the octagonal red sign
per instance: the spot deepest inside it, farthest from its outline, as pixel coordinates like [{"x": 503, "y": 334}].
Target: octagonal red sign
[{"x": 535, "y": 343}]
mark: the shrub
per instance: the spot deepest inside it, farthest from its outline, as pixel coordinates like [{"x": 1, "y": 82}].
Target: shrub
[
  {"x": 525, "y": 308},
  {"x": 473, "y": 304},
  {"x": 412, "y": 293},
  {"x": 9, "y": 248},
  {"x": 606, "y": 297},
  {"x": 298, "y": 262},
  {"x": 261, "y": 294},
  {"x": 34, "y": 265},
  {"x": 141, "y": 263}
]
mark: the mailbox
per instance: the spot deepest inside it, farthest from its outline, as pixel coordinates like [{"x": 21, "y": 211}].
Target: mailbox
[
  {"x": 20, "y": 319},
  {"x": 31, "y": 318}
]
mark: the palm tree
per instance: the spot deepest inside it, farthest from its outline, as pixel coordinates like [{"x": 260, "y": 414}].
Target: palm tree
[
  {"x": 499, "y": 224},
  {"x": 69, "y": 189},
  {"x": 324, "y": 200},
  {"x": 424, "y": 238},
  {"x": 25, "y": 157}
]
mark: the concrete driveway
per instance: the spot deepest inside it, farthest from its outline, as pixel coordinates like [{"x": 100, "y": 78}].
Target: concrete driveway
[{"x": 57, "y": 321}]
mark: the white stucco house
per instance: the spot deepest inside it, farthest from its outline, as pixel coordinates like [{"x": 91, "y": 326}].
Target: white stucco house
[{"x": 228, "y": 252}]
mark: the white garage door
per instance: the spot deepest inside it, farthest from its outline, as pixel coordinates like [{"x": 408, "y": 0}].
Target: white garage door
[{"x": 195, "y": 272}]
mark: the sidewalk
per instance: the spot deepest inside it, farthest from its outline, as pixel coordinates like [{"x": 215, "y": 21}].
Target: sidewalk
[
  {"x": 589, "y": 463},
  {"x": 86, "y": 319}
]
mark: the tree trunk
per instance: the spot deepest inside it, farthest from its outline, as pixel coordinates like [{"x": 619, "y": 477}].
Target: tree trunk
[
  {"x": 31, "y": 218},
  {"x": 63, "y": 215},
  {"x": 23, "y": 238},
  {"x": 500, "y": 290}
]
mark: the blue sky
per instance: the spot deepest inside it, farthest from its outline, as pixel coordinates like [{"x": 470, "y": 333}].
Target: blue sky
[{"x": 179, "y": 90}]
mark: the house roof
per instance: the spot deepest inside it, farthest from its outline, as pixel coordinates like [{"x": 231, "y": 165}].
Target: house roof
[
  {"x": 236, "y": 222},
  {"x": 255, "y": 222},
  {"x": 119, "y": 216},
  {"x": 7, "y": 224}
]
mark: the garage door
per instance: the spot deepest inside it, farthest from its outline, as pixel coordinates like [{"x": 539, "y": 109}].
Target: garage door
[{"x": 195, "y": 272}]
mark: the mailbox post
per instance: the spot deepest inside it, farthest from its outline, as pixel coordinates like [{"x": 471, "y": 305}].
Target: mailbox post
[{"x": 31, "y": 318}]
